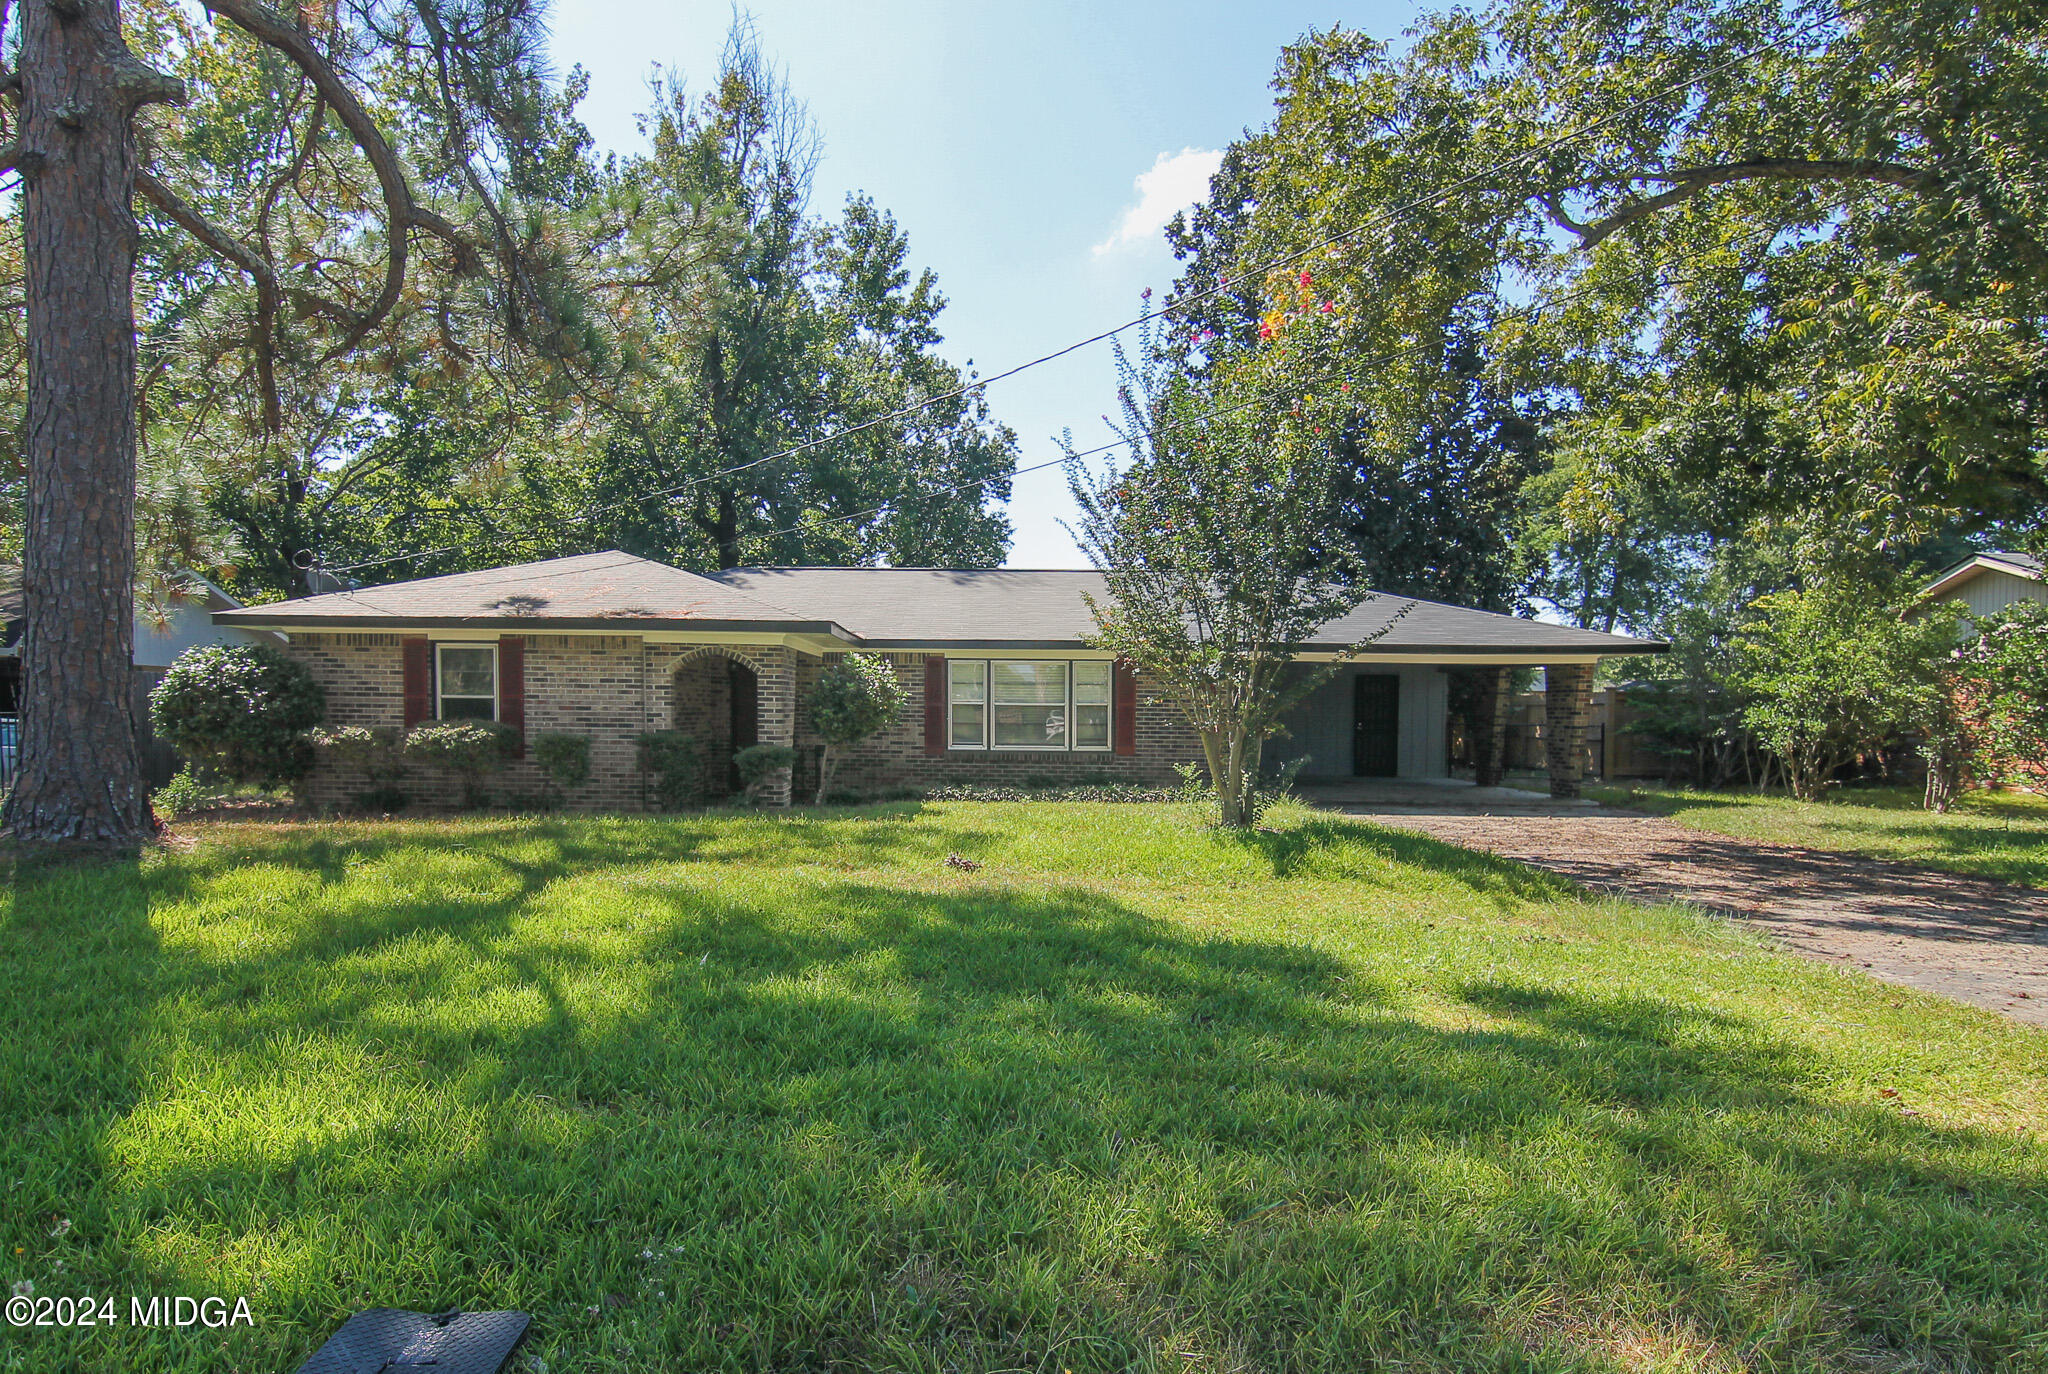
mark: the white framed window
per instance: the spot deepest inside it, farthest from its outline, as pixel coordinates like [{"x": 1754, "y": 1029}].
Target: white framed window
[
  {"x": 466, "y": 681},
  {"x": 1028, "y": 704},
  {"x": 1091, "y": 706},
  {"x": 967, "y": 704},
  {"x": 1028, "y": 700}
]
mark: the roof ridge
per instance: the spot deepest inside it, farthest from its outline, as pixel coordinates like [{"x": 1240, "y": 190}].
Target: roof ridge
[{"x": 869, "y": 567}]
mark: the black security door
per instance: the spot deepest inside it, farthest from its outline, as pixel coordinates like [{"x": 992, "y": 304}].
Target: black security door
[{"x": 1376, "y": 725}]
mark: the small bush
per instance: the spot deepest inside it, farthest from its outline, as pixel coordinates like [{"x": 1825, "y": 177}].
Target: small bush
[
  {"x": 375, "y": 751},
  {"x": 758, "y": 763},
  {"x": 669, "y": 758},
  {"x": 240, "y": 712},
  {"x": 565, "y": 759},
  {"x": 181, "y": 796},
  {"x": 377, "y": 754},
  {"x": 1092, "y": 792},
  {"x": 467, "y": 748}
]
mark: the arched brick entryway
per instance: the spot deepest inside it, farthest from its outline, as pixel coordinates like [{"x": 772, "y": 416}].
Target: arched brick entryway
[{"x": 716, "y": 698}]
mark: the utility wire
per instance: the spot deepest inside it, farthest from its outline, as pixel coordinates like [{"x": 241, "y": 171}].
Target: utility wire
[
  {"x": 1351, "y": 373},
  {"x": 1379, "y": 220},
  {"x": 1292, "y": 385}
]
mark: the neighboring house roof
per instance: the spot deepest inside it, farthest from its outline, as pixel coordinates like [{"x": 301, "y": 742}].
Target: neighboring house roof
[
  {"x": 876, "y": 607},
  {"x": 161, "y": 634},
  {"x": 590, "y": 591},
  {"x": 2017, "y": 564}
]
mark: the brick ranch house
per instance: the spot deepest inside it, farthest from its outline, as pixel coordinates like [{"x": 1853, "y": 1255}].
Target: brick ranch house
[{"x": 998, "y": 683}]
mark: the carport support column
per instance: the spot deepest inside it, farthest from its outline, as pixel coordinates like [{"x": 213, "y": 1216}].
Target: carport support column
[
  {"x": 1490, "y": 727},
  {"x": 1567, "y": 705},
  {"x": 776, "y": 705}
]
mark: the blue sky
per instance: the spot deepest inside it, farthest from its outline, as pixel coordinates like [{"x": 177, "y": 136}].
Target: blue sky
[{"x": 1010, "y": 142}]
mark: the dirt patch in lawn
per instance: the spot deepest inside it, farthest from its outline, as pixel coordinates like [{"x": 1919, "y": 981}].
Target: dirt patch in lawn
[{"x": 1978, "y": 941}]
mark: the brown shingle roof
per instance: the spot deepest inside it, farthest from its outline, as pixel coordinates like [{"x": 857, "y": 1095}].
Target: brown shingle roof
[
  {"x": 883, "y": 607},
  {"x": 594, "y": 590},
  {"x": 906, "y": 607}
]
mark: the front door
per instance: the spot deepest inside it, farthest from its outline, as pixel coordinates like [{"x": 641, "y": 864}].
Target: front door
[
  {"x": 1376, "y": 725},
  {"x": 744, "y": 726}
]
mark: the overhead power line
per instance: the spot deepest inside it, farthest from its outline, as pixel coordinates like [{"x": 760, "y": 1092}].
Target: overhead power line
[
  {"x": 1353, "y": 372},
  {"x": 1380, "y": 220}
]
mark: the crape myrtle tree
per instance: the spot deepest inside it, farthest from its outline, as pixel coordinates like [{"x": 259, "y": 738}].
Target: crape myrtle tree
[
  {"x": 1833, "y": 673},
  {"x": 855, "y": 696},
  {"x": 1992, "y": 725},
  {"x": 1222, "y": 547},
  {"x": 460, "y": 77}
]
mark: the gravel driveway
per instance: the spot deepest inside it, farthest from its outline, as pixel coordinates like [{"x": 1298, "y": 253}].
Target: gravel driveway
[{"x": 1978, "y": 941}]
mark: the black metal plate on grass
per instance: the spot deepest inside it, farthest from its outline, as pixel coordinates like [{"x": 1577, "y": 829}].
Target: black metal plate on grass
[{"x": 385, "y": 1340}]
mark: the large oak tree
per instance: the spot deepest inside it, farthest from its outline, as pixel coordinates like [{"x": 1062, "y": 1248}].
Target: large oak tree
[{"x": 1790, "y": 253}]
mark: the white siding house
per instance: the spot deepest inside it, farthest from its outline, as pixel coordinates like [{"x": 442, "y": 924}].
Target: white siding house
[
  {"x": 184, "y": 622},
  {"x": 1989, "y": 583}
]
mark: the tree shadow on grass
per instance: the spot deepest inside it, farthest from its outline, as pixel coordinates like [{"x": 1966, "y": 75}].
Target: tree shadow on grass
[
  {"x": 1330, "y": 847},
  {"x": 845, "y": 1124},
  {"x": 885, "y": 834},
  {"x": 78, "y": 967}
]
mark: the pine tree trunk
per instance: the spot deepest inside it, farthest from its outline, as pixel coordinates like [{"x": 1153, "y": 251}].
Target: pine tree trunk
[{"x": 80, "y": 777}]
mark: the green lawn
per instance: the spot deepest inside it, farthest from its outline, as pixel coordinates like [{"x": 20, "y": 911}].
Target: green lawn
[
  {"x": 795, "y": 1093},
  {"x": 1996, "y": 834}
]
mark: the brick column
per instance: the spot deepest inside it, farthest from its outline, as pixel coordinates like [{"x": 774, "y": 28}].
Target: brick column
[
  {"x": 1490, "y": 727},
  {"x": 1567, "y": 704},
  {"x": 777, "y": 712}
]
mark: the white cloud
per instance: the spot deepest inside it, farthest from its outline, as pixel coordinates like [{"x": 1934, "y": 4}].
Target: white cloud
[{"x": 1175, "y": 181}]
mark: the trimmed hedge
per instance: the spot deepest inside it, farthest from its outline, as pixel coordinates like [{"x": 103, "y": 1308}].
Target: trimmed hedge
[
  {"x": 670, "y": 759},
  {"x": 240, "y": 712},
  {"x": 565, "y": 759},
  {"x": 759, "y": 762}
]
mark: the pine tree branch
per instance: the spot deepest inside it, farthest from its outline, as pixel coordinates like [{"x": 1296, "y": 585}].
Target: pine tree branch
[
  {"x": 187, "y": 217},
  {"x": 401, "y": 214},
  {"x": 140, "y": 85}
]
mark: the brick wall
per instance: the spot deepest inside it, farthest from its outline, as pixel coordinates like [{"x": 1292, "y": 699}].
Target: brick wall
[
  {"x": 775, "y": 670},
  {"x": 587, "y": 685},
  {"x": 896, "y": 756},
  {"x": 611, "y": 688},
  {"x": 701, "y": 704}
]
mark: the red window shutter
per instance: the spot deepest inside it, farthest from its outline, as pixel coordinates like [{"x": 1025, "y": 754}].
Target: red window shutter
[
  {"x": 418, "y": 657},
  {"x": 1123, "y": 708},
  {"x": 512, "y": 690},
  {"x": 934, "y": 705}
]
